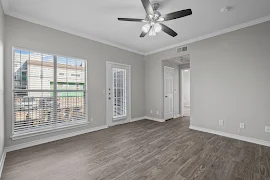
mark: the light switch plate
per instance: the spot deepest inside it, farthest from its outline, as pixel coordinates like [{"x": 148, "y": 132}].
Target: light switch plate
[
  {"x": 267, "y": 129},
  {"x": 221, "y": 122},
  {"x": 242, "y": 125}
]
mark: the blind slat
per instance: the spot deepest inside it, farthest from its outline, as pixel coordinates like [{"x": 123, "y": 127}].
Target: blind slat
[{"x": 37, "y": 104}]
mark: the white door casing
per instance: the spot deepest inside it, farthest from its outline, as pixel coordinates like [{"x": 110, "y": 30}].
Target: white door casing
[
  {"x": 168, "y": 92},
  {"x": 118, "y": 93}
]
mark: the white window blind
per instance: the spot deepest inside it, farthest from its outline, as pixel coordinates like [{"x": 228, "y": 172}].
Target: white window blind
[{"x": 45, "y": 95}]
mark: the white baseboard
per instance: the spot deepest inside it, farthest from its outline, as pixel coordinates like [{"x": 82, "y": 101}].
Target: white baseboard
[
  {"x": 2, "y": 161},
  {"x": 154, "y": 119},
  {"x": 137, "y": 119},
  {"x": 177, "y": 116},
  {"x": 233, "y": 136},
  {"x": 54, "y": 138}
]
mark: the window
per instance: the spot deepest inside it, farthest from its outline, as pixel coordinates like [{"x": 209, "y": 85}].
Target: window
[
  {"x": 45, "y": 97},
  {"x": 120, "y": 93}
]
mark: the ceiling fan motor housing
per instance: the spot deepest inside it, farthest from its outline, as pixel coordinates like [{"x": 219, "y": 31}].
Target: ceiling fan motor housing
[{"x": 155, "y": 6}]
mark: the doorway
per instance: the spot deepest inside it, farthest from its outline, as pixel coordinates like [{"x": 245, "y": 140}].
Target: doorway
[
  {"x": 118, "y": 93},
  {"x": 185, "y": 92},
  {"x": 168, "y": 93},
  {"x": 172, "y": 82}
]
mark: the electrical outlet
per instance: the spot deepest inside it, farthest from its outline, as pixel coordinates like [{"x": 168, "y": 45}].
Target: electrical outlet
[
  {"x": 157, "y": 112},
  {"x": 221, "y": 122},
  {"x": 151, "y": 111},
  {"x": 267, "y": 129},
  {"x": 242, "y": 125}
]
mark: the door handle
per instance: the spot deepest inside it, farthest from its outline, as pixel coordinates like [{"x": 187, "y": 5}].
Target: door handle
[
  {"x": 166, "y": 96},
  {"x": 109, "y": 97}
]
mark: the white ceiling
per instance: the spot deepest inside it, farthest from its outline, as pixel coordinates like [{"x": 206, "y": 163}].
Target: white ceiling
[{"x": 97, "y": 20}]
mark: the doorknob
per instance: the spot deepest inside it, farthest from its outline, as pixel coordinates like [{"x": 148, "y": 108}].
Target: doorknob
[{"x": 166, "y": 96}]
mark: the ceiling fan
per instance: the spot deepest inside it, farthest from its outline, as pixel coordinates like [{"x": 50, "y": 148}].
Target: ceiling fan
[{"x": 154, "y": 19}]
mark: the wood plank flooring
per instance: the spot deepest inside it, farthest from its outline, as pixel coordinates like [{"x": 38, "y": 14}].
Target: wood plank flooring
[{"x": 141, "y": 150}]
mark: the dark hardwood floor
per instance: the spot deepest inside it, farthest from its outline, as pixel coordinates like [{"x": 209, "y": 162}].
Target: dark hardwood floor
[{"x": 141, "y": 150}]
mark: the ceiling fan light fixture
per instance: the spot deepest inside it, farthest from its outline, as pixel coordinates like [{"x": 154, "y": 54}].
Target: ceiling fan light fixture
[
  {"x": 146, "y": 28},
  {"x": 157, "y": 28},
  {"x": 153, "y": 19},
  {"x": 152, "y": 32}
]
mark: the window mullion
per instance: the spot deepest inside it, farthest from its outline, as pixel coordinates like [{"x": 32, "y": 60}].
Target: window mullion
[{"x": 55, "y": 90}]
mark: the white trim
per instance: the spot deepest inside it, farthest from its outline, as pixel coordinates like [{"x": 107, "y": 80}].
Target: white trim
[
  {"x": 138, "y": 119},
  {"x": 54, "y": 138},
  {"x": 2, "y": 161},
  {"x": 233, "y": 136},
  {"x": 154, "y": 119},
  {"x": 217, "y": 33}
]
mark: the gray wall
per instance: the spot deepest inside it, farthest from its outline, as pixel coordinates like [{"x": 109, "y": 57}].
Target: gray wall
[
  {"x": 230, "y": 80},
  {"x": 1, "y": 80},
  {"x": 154, "y": 81},
  {"x": 32, "y": 36}
]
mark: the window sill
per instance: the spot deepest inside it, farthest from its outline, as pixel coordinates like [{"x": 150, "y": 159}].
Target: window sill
[{"x": 47, "y": 131}]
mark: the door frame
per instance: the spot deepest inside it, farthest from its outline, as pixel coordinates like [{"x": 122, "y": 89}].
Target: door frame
[
  {"x": 181, "y": 92},
  {"x": 108, "y": 64},
  {"x": 164, "y": 91}
]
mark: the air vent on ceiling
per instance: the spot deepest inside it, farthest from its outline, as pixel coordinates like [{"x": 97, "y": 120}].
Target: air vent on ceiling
[{"x": 182, "y": 49}]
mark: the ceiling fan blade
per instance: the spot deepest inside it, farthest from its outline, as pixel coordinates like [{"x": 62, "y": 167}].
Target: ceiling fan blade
[
  {"x": 130, "y": 19},
  {"x": 177, "y": 14},
  {"x": 147, "y": 6},
  {"x": 144, "y": 33},
  {"x": 168, "y": 30}
]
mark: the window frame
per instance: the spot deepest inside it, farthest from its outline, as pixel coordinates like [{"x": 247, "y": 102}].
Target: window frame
[{"x": 56, "y": 128}]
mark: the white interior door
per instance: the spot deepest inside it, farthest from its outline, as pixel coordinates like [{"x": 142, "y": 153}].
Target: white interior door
[
  {"x": 168, "y": 92},
  {"x": 118, "y": 93}
]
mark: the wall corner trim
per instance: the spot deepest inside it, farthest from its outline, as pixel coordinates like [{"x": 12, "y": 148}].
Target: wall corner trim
[
  {"x": 54, "y": 138},
  {"x": 2, "y": 161},
  {"x": 233, "y": 136}
]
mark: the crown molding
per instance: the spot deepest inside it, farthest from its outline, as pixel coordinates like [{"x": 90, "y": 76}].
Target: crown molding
[
  {"x": 7, "y": 11},
  {"x": 217, "y": 33}
]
